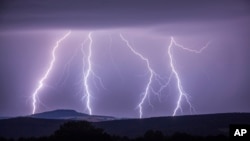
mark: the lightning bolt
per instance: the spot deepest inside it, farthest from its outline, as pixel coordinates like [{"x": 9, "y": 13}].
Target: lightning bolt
[
  {"x": 181, "y": 91},
  {"x": 152, "y": 75},
  {"x": 87, "y": 73},
  {"x": 41, "y": 82}
]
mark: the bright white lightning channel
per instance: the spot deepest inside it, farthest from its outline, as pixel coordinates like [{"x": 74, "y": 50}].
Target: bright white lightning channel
[
  {"x": 41, "y": 82},
  {"x": 152, "y": 75},
  {"x": 87, "y": 74},
  {"x": 181, "y": 92}
]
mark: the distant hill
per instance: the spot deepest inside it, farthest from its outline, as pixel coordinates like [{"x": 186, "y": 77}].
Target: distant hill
[
  {"x": 59, "y": 114},
  {"x": 202, "y": 125},
  {"x": 70, "y": 115}
]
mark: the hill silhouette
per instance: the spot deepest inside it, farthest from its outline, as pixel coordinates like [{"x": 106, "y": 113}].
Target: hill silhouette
[
  {"x": 197, "y": 125},
  {"x": 28, "y": 127},
  {"x": 83, "y": 130},
  {"x": 70, "y": 115},
  {"x": 201, "y": 125},
  {"x": 59, "y": 114}
]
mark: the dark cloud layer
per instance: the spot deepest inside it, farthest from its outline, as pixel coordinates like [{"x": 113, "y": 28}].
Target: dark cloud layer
[{"x": 115, "y": 13}]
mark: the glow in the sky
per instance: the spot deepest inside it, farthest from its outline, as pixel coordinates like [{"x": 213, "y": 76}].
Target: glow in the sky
[
  {"x": 182, "y": 93},
  {"x": 66, "y": 70},
  {"x": 45, "y": 76}
]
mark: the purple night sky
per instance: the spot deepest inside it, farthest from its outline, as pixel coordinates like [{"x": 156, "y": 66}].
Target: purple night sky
[{"x": 217, "y": 80}]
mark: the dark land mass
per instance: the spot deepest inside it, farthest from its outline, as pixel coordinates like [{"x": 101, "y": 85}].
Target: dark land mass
[
  {"x": 197, "y": 125},
  {"x": 200, "y": 125},
  {"x": 4, "y": 118},
  {"x": 28, "y": 127},
  {"x": 84, "y": 130}
]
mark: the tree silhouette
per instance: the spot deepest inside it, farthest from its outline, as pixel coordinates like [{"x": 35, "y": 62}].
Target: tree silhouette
[
  {"x": 79, "y": 130},
  {"x": 152, "y": 135},
  {"x": 85, "y": 131}
]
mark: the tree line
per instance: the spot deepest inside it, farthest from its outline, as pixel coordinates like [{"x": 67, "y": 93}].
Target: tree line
[{"x": 85, "y": 131}]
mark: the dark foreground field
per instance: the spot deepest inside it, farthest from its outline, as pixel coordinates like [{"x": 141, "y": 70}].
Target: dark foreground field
[{"x": 196, "y": 127}]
